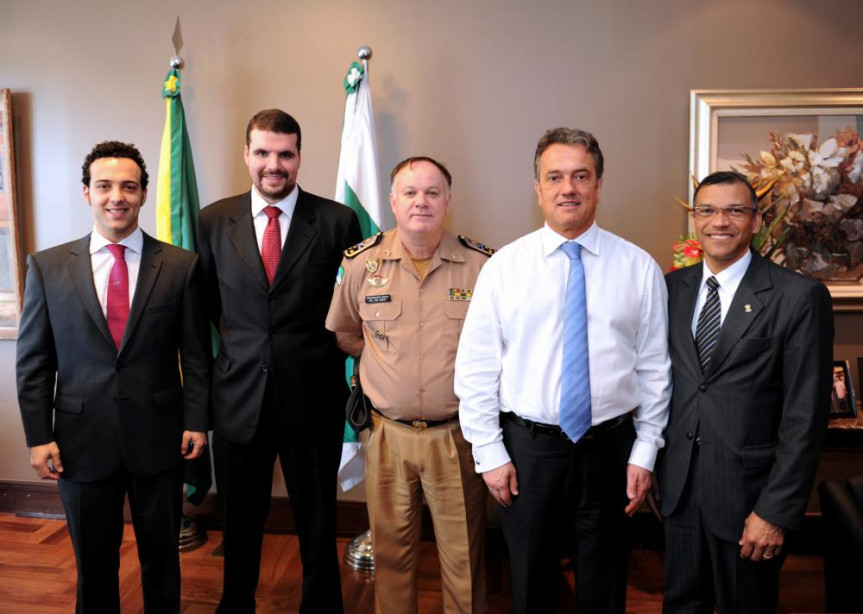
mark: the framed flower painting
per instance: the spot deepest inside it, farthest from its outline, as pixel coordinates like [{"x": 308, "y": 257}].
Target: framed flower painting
[
  {"x": 806, "y": 146},
  {"x": 10, "y": 245}
]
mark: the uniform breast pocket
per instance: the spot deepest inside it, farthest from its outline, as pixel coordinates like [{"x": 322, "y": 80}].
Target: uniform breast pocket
[
  {"x": 455, "y": 312},
  {"x": 381, "y": 322}
]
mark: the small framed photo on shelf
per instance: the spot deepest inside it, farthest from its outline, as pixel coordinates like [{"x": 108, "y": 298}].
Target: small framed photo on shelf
[{"x": 843, "y": 403}]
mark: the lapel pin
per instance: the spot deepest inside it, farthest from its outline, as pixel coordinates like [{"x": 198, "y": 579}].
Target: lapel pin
[{"x": 747, "y": 308}]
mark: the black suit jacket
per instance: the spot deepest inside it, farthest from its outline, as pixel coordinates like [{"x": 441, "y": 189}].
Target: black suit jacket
[
  {"x": 278, "y": 328},
  {"x": 760, "y": 411},
  {"x": 106, "y": 408}
]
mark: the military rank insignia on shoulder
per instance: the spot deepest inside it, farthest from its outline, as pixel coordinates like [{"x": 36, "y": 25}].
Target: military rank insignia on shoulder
[
  {"x": 474, "y": 245},
  {"x": 362, "y": 246}
]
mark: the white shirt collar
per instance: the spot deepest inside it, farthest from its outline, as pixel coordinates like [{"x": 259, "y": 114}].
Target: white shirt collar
[
  {"x": 134, "y": 241},
  {"x": 729, "y": 277},
  {"x": 551, "y": 240},
  {"x": 287, "y": 204}
]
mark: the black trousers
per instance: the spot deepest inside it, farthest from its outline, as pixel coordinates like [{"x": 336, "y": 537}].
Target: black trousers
[
  {"x": 94, "y": 513},
  {"x": 244, "y": 477},
  {"x": 703, "y": 571},
  {"x": 568, "y": 489}
]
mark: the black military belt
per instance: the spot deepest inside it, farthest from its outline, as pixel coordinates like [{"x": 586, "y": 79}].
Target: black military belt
[
  {"x": 555, "y": 431},
  {"x": 419, "y": 424}
]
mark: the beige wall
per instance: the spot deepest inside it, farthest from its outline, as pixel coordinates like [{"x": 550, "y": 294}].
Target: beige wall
[{"x": 473, "y": 83}]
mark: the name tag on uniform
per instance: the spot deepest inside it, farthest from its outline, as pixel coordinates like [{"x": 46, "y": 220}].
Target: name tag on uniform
[
  {"x": 379, "y": 298},
  {"x": 459, "y": 294}
]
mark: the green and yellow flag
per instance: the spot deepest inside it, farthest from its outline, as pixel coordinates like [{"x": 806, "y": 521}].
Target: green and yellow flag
[
  {"x": 177, "y": 209},
  {"x": 177, "y": 203}
]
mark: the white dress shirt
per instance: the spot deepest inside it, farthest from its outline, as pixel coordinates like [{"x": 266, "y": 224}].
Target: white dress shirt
[
  {"x": 102, "y": 261},
  {"x": 729, "y": 279},
  {"x": 511, "y": 348},
  {"x": 260, "y": 219}
]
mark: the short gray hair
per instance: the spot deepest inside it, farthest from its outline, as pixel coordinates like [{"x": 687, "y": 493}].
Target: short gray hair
[{"x": 569, "y": 136}]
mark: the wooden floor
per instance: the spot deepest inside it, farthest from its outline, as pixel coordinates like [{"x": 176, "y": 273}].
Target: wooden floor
[{"x": 37, "y": 576}]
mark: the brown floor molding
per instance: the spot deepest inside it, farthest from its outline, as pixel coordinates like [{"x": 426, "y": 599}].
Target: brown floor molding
[{"x": 42, "y": 500}]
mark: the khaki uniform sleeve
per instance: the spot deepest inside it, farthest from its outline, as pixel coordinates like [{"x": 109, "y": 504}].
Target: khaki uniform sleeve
[{"x": 344, "y": 314}]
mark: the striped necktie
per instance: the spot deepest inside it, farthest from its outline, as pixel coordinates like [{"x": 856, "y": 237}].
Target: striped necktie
[
  {"x": 707, "y": 329},
  {"x": 575, "y": 415}
]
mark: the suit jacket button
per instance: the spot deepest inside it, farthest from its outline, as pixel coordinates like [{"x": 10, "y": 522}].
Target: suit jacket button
[
  {"x": 689, "y": 436},
  {"x": 265, "y": 368},
  {"x": 702, "y": 388},
  {"x": 272, "y": 335}
]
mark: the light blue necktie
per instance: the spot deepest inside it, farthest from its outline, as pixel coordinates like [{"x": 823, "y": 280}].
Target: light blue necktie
[{"x": 575, "y": 371}]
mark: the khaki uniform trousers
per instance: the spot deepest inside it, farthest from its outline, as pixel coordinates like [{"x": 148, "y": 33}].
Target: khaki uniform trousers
[{"x": 402, "y": 464}]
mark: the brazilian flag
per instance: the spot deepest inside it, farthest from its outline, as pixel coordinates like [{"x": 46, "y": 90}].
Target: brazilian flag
[{"x": 177, "y": 209}]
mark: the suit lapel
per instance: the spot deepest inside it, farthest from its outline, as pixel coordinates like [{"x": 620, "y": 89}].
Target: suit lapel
[
  {"x": 242, "y": 235},
  {"x": 151, "y": 264},
  {"x": 81, "y": 271},
  {"x": 744, "y": 308},
  {"x": 685, "y": 311},
  {"x": 300, "y": 235}
]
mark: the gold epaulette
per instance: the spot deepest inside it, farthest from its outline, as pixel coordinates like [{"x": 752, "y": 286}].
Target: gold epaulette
[
  {"x": 362, "y": 246},
  {"x": 474, "y": 245}
]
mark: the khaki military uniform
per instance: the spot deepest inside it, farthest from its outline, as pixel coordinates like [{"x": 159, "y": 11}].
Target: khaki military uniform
[{"x": 411, "y": 327}]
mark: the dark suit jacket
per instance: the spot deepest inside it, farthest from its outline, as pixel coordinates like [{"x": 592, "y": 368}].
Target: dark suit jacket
[
  {"x": 761, "y": 409},
  {"x": 279, "y": 327},
  {"x": 106, "y": 408}
]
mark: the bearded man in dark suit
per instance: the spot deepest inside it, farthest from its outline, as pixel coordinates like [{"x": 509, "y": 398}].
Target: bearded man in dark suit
[
  {"x": 270, "y": 258},
  {"x": 751, "y": 351},
  {"x": 106, "y": 409}
]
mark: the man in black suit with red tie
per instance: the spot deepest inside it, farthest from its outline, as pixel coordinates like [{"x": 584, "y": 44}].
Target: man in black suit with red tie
[
  {"x": 270, "y": 258},
  {"x": 106, "y": 409},
  {"x": 751, "y": 351}
]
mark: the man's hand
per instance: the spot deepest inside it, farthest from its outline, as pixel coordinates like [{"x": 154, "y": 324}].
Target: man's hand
[
  {"x": 39, "y": 457},
  {"x": 638, "y": 481},
  {"x": 194, "y": 443},
  {"x": 761, "y": 540},
  {"x": 503, "y": 483},
  {"x": 350, "y": 343}
]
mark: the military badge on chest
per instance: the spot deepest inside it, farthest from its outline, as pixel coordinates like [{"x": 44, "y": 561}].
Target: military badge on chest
[{"x": 460, "y": 294}]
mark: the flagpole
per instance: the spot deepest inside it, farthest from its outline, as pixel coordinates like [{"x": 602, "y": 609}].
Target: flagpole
[
  {"x": 191, "y": 534},
  {"x": 359, "y": 553}
]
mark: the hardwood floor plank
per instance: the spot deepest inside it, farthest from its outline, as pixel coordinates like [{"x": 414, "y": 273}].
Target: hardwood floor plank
[{"x": 38, "y": 576}]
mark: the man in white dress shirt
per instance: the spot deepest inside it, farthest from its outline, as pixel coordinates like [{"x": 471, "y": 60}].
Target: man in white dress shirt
[{"x": 564, "y": 379}]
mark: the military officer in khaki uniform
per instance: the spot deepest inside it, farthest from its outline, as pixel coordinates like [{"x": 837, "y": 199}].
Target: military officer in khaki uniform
[{"x": 400, "y": 301}]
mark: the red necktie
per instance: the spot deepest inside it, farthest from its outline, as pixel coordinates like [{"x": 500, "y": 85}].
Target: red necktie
[
  {"x": 118, "y": 294},
  {"x": 271, "y": 246}
]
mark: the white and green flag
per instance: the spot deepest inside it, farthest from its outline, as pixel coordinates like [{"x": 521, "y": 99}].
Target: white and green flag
[{"x": 358, "y": 186}]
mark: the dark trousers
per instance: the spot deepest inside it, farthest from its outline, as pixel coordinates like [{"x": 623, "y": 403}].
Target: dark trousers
[
  {"x": 244, "y": 477},
  {"x": 703, "y": 571},
  {"x": 94, "y": 513},
  {"x": 567, "y": 489}
]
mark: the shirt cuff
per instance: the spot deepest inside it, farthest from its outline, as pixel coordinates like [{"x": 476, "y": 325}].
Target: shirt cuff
[
  {"x": 490, "y": 456},
  {"x": 643, "y": 455}
]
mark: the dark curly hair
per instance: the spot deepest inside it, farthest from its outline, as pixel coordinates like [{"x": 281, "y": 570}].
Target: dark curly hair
[{"x": 114, "y": 149}]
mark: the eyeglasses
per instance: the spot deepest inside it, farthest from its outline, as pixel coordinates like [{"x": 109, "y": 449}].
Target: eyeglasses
[{"x": 734, "y": 213}]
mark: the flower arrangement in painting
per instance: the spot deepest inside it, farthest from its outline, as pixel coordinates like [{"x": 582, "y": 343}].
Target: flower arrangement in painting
[
  {"x": 813, "y": 216},
  {"x": 687, "y": 251},
  {"x": 811, "y": 200}
]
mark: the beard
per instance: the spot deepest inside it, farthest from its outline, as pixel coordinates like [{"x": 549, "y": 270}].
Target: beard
[{"x": 275, "y": 194}]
